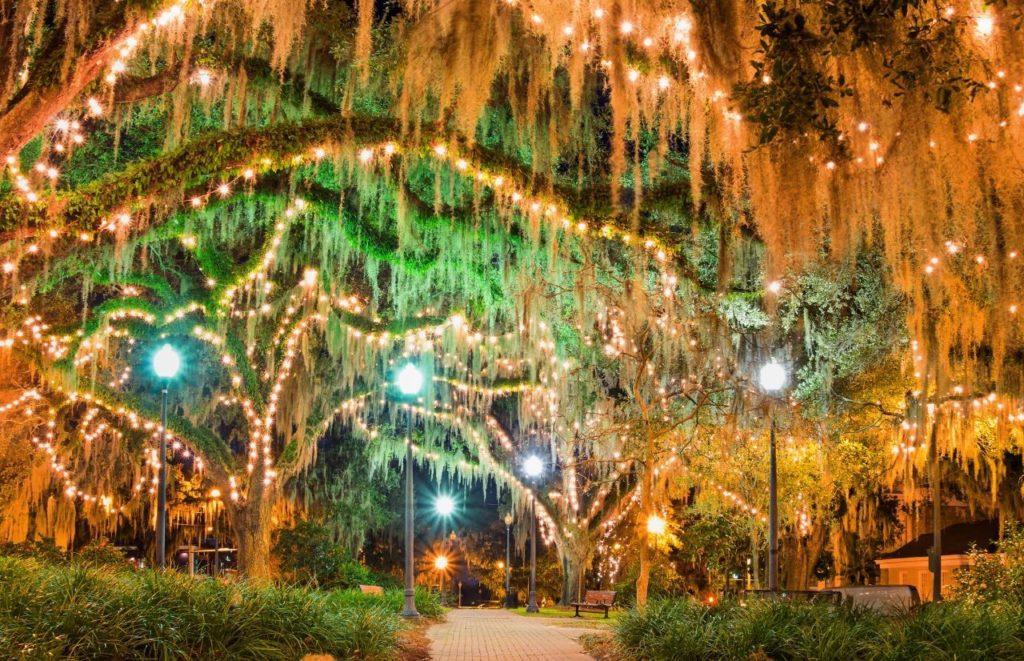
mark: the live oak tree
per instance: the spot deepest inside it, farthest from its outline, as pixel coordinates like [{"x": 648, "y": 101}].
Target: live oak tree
[{"x": 304, "y": 196}]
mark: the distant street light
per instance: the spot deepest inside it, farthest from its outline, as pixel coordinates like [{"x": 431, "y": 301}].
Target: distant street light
[
  {"x": 533, "y": 467},
  {"x": 441, "y": 564},
  {"x": 409, "y": 382},
  {"x": 166, "y": 363},
  {"x": 773, "y": 377},
  {"x": 655, "y": 525},
  {"x": 444, "y": 505}
]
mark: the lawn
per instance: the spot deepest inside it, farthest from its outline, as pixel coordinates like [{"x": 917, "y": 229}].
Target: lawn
[{"x": 569, "y": 613}]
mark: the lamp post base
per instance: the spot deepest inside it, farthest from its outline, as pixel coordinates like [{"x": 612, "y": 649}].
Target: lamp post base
[{"x": 410, "y": 605}]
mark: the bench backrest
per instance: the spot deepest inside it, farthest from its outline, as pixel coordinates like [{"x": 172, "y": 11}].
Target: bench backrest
[
  {"x": 375, "y": 590},
  {"x": 604, "y": 597}
]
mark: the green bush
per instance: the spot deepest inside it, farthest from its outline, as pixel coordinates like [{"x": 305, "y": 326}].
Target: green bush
[
  {"x": 995, "y": 577},
  {"x": 308, "y": 555},
  {"x": 685, "y": 629},
  {"x": 82, "y": 612}
]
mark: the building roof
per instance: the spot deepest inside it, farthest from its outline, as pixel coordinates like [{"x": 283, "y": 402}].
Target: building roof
[{"x": 957, "y": 539}]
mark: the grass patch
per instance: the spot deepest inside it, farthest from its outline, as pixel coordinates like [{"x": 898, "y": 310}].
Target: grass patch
[
  {"x": 569, "y": 613},
  {"x": 78, "y": 612}
]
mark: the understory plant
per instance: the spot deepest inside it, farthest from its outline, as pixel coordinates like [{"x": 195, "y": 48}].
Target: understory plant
[
  {"x": 82, "y": 612},
  {"x": 685, "y": 629}
]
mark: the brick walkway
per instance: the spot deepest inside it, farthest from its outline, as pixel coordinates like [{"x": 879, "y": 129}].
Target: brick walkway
[{"x": 496, "y": 634}]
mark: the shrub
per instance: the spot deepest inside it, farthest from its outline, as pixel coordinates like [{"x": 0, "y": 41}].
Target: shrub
[
  {"x": 308, "y": 555},
  {"x": 685, "y": 629},
  {"x": 82, "y": 612},
  {"x": 995, "y": 577}
]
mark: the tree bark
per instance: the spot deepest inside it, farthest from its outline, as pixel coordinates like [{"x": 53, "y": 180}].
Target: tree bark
[
  {"x": 253, "y": 529},
  {"x": 45, "y": 95}
]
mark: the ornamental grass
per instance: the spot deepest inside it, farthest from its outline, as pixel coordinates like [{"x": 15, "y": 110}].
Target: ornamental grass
[
  {"x": 79, "y": 612},
  {"x": 682, "y": 629}
]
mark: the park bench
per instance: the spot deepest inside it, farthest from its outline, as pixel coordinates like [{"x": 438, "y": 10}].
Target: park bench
[
  {"x": 595, "y": 600},
  {"x": 372, "y": 590}
]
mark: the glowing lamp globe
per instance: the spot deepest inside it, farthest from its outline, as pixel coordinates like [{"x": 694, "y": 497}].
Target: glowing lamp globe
[
  {"x": 444, "y": 505},
  {"x": 533, "y": 466},
  {"x": 441, "y": 563},
  {"x": 655, "y": 525},
  {"x": 410, "y": 380},
  {"x": 166, "y": 362},
  {"x": 508, "y": 519},
  {"x": 772, "y": 377}
]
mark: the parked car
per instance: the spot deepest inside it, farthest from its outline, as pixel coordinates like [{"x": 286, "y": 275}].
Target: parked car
[{"x": 884, "y": 599}]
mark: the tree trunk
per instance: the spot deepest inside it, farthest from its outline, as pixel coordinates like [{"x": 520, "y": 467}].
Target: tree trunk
[
  {"x": 253, "y": 530},
  {"x": 571, "y": 575},
  {"x": 643, "y": 580}
]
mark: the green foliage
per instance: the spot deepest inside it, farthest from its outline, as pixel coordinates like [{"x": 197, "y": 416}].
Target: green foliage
[
  {"x": 49, "y": 611},
  {"x": 393, "y": 600},
  {"x": 308, "y": 554},
  {"x": 798, "y": 96},
  {"x": 100, "y": 553},
  {"x": 995, "y": 577},
  {"x": 685, "y": 629},
  {"x": 43, "y": 549},
  {"x": 849, "y": 318}
]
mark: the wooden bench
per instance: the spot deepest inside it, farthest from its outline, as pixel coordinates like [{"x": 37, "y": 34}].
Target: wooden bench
[
  {"x": 372, "y": 590},
  {"x": 595, "y": 600}
]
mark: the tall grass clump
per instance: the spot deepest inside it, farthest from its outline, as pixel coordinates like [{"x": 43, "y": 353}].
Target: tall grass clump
[
  {"x": 683, "y": 629},
  {"x": 82, "y": 612},
  {"x": 427, "y": 603}
]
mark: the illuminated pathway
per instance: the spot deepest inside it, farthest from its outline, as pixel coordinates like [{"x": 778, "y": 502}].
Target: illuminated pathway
[{"x": 496, "y": 634}]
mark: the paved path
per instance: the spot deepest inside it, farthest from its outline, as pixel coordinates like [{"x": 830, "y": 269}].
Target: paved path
[{"x": 496, "y": 634}]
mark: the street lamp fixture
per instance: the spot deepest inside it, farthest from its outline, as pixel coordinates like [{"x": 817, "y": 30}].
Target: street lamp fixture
[
  {"x": 440, "y": 563},
  {"x": 655, "y": 525},
  {"x": 773, "y": 377},
  {"x": 533, "y": 466},
  {"x": 444, "y": 505},
  {"x": 410, "y": 380},
  {"x": 166, "y": 363}
]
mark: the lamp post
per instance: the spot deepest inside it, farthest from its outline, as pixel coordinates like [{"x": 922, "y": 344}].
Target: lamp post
[
  {"x": 215, "y": 500},
  {"x": 773, "y": 378},
  {"x": 165, "y": 365},
  {"x": 441, "y": 564},
  {"x": 410, "y": 381},
  {"x": 533, "y": 467},
  {"x": 509, "y": 600}
]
